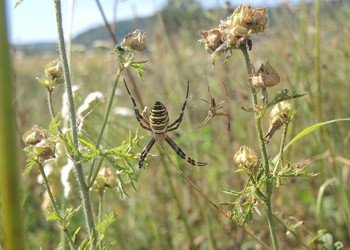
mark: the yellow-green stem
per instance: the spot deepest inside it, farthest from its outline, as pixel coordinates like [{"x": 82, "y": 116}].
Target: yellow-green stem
[
  {"x": 280, "y": 155},
  {"x": 318, "y": 59},
  {"x": 105, "y": 120},
  {"x": 52, "y": 112},
  {"x": 292, "y": 231},
  {"x": 84, "y": 190},
  {"x": 55, "y": 206},
  {"x": 11, "y": 207},
  {"x": 100, "y": 204},
  {"x": 263, "y": 154}
]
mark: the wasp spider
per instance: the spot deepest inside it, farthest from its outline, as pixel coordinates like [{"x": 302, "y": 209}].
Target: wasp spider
[{"x": 158, "y": 124}]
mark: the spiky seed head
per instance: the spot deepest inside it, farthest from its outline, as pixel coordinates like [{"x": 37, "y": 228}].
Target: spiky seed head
[
  {"x": 246, "y": 156},
  {"x": 281, "y": 114},
  {"x": 135, "y": 40},
  {"x": 54, "y": 71},
  {"x": 34, "y": 135},
  {"x": 235, "y": 30},
  {"x": 45, "y": 150},
  {"x": 105, "y": 179}
]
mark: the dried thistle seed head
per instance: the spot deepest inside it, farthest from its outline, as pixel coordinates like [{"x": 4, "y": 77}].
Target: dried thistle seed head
[
  {"x": 54, "y": 71},
  {"x": 266, "y": 77},
  {"x": 281, "y": 114},
  {"x": 34, "y": 136},
  {"x": 246, "y": 157},
  {"x": 211, "y": 39},
  {"x": 254, "y": 19},
  {"x": 105, "y": 179},
  {"x": 235, "y": 30},
  {"x": 45, "y": 149},
  {"x": 135, "y": 41}
]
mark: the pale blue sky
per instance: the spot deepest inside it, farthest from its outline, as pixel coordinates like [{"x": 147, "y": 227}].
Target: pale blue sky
[{"x": 34, "y": 20}]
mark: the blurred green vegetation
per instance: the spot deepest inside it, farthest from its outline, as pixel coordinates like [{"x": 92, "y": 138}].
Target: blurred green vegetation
[{"x": 149, "y": 218}]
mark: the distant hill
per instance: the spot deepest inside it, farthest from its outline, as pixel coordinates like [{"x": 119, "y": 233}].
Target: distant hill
[
  {"x": 87, "y": 38},
  {"x": 191, "y": 18}
]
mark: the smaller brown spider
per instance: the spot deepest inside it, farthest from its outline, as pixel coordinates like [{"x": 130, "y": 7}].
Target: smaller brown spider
[{"x": 213, "y": 109}]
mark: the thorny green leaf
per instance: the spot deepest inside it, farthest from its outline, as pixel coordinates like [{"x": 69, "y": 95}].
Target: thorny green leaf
[
  {"x": 140, "y": 68},
  {"x": 54, "y": 124},
  {"x": 70, "y": 144},
  {"x": 231, "y": 192},
  {"x": 283, "y": 95},
  {"x": 71, "y": 212},
  {"x": 89, "y": 145},
  {"x": 30, "y": 159},
  {"x": 53, "y": 216},
  {"x": 123, "y": 151},
  {"x": 105, "y": 223},
  {"x": 227, "y": 203}
]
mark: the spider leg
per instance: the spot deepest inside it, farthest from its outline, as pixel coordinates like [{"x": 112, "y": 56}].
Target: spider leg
[
  {"x": 206, "y": 120},
  {"x": 145, "y": 151},
  {"x": 204, "y": 101},
  {"x": 139, "y": 117},
  {"x": 228, "y": 119},
  {"x": 209, "y": 89},
  {"x": 181, "y": 153},
  {"x": 178, "y": 121},
  {"x": 226, "y": 97}
]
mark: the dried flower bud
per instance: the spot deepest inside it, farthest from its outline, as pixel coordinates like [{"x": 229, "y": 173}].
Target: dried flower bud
[
  {"x": 34, "y": 136},
  {"x": 255, "y": 19},
  {"x": 246, "y": 157},
  {"x": 105, "y": 179},
  {"x": 135, "y": 41},
  {"x": 54, "y": 72},
  {"x": 211, "y": 39},
  {"x": 45, "y": 149},
  {"x": 281, "y": 114},
  {"x": 266, "y": 77}
]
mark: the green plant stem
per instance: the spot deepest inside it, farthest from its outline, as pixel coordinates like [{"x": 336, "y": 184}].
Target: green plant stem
[
  {"x": 52, "y": 113},
  {"x": 84, "y": 190},
  {"x": 48, "y": 189},
  {"x": 105, "y": 120},
  {"x": 280, "y": 155},
  {"x": 212, "y": 203},
  {"x": 291, "y": 231},
  {"x": 263, "y": 154},
  {"x": 318, "y": 59},
  {"x": 177, "y": 200},
  {"x": 12, "y": 229},
  {"x": 92, "y": 177},
  {"x": 99, "y": 219},
  {"x": 55, "y": 206}
]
